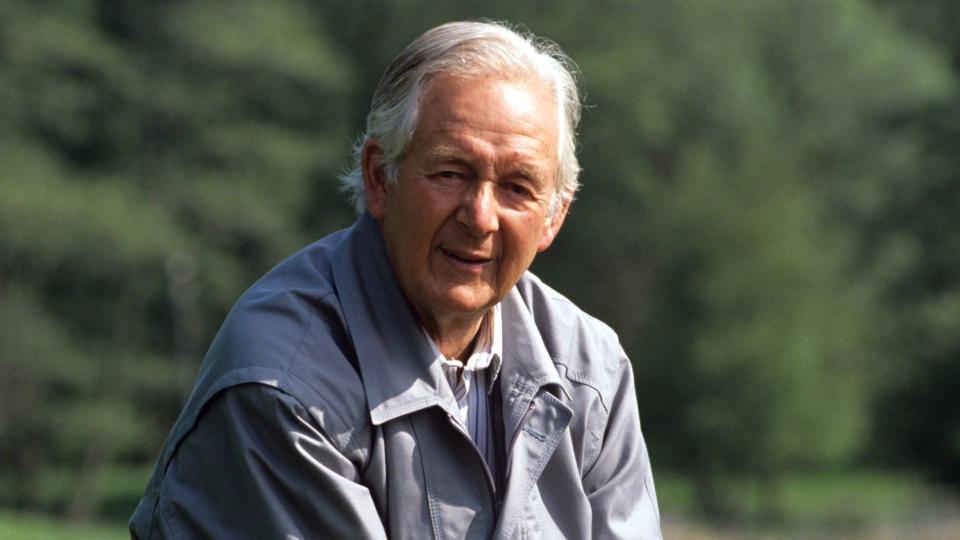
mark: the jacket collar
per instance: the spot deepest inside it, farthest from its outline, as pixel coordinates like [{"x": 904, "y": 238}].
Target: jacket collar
[
  {"x": 400, "y": 371},
  {"x": 527, "y": 366},
  {"x": 395, "y": 357}
]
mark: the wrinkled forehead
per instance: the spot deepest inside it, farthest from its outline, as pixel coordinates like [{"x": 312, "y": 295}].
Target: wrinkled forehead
[
  {"x": 449, "y": 96},
  {"x": 492, "y": 105}
]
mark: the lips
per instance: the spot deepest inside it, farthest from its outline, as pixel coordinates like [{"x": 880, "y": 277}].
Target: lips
[{"x": 466, "y": 257}]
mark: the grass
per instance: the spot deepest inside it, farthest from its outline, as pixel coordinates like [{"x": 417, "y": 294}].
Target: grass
[
  {"x": 15, "y": 526},
  {"x": 119, "y": 489},
  {"x": 818, "y": 502}
]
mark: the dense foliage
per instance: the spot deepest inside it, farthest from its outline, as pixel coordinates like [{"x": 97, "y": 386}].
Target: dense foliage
[{"x": 767, "y": 219}]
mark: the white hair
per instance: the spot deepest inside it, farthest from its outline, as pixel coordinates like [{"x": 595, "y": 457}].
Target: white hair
[{"x": 467, "y": 49}]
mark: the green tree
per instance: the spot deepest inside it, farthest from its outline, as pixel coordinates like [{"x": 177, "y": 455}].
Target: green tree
[
  {"x": 920, "y": 425},
  {"x": 732, "y": 156},
  {"x": 157, "y": 158}
]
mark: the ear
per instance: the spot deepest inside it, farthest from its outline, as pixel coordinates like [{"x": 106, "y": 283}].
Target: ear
[
  {"x": 554, "y": 223},
  {"x": 374, "y": 179}
]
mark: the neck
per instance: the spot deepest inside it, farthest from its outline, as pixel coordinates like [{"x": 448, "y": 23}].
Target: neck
[{"x": 454, "y": 337}]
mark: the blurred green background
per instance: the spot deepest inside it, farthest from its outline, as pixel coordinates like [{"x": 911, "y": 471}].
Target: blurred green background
[{"x": 770, "y": 219}]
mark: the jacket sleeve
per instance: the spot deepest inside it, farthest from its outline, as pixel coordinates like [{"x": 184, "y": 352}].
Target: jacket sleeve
[
  {"x": 256, "y": 466},
  {"x": 619, "y": 484}
]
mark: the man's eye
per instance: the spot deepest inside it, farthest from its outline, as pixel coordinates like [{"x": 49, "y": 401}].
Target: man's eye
[
  {"x": 519, "y": 190},
  {"x": 448, "y": 175}
]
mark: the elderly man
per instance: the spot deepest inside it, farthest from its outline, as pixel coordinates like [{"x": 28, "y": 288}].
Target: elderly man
[{"x": 407, "y": 377}]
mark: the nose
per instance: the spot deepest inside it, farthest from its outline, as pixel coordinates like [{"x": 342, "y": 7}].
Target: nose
[{"x": 478, "y": 210}]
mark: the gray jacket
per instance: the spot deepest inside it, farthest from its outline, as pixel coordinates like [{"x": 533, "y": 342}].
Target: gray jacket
[{"x": 319, "y": 412}]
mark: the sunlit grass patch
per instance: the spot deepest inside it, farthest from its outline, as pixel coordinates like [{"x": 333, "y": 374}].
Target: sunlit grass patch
[{"x": 15, "y": 526}]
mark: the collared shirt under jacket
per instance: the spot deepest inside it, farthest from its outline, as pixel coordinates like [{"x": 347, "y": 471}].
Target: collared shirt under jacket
[{"x": 321, "y": 411}]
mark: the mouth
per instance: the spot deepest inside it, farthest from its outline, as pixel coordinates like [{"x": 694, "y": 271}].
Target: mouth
[{"x": 466, "y": 258}]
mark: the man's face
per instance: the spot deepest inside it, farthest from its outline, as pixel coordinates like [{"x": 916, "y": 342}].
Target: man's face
[{"x": 470, "y": 208}]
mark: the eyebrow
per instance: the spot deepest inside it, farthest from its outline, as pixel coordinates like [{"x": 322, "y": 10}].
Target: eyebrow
[{"x": 446, "y": 152}]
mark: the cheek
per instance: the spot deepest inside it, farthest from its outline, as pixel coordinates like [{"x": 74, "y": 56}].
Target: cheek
[
  {"x": 521, "y": 247},
  {"x": 532, "y": 234}
]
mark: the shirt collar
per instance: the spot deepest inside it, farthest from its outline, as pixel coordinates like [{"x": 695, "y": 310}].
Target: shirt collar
[{"x": 487, "y": 351}]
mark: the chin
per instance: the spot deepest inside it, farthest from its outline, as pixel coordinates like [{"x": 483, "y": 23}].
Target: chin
[{"x": 466, "y": 303}]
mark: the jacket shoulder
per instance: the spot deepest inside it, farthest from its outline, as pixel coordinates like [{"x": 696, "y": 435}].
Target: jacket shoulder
[
  {"x": 585, "y": 349},
  {"x": 287, "y": 331}
]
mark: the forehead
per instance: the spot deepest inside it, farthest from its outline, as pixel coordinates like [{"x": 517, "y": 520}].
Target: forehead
[{"x": 504, "y": 114}]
